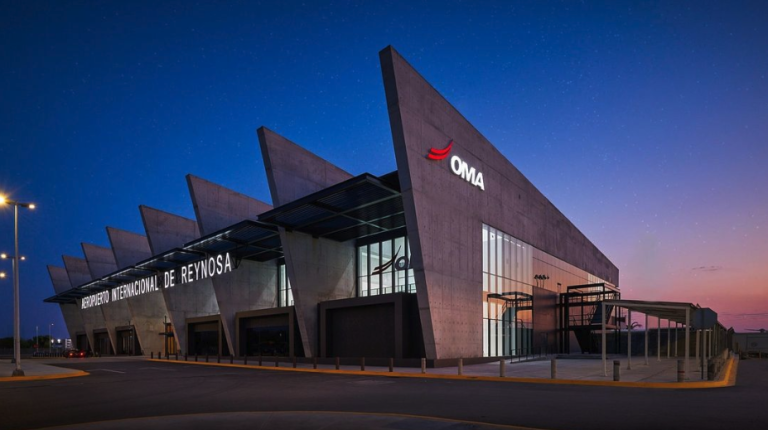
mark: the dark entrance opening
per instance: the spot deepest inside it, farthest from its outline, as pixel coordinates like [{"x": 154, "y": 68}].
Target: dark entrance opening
[
  {"x": 81, "y": 342},
  {"x": 127, "y": 342},
  {"x": 103, "y": 345},
  {"x": 205, "y": 338},
  {"x": 267, "y": 335}
]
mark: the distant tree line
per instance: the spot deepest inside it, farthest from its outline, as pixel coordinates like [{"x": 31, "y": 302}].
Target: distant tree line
[{"x": 41, "y": 341}]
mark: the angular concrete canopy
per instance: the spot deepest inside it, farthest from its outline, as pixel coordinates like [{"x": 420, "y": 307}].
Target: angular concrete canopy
[
  {"x": 93, "y": 318},
  {"x": 101, "y": 262},
  {"x": 147, "y": 310},
  {"x": 70, "y": 312},
  {"x": 445, "y": 213},
  {"x": 166, "y": 231},
  {"x": 318, "y": 269},
  {"x": 253, "y": 285}
]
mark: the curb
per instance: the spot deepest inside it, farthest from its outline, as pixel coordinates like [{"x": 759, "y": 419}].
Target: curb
[
  {"x": 43, "y": 377},
  {"x": 728, "y": 379}
]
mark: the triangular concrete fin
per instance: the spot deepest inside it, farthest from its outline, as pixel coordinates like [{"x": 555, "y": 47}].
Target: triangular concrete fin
[
  {"x": 165, "y": 230},
  {"x": 129, "y": 248},
  {"x": 453, "y": 210},
  {"x": 101, "y": 260},
  {"x": 59, "y": 279},
  {"x": 292, "y": 171},
  {"x": 218, "y": 207}
]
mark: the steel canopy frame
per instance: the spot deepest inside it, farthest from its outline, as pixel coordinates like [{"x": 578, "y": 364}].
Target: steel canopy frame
[{"x": 671, "y": 311}]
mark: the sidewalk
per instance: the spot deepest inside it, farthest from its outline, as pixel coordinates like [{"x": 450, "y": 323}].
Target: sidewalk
[
  {"x": 36, "y": 370},
  {"x": 575, "y": 371}
]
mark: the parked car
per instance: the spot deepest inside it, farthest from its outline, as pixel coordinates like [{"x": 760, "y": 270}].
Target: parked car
[{"x": 75, "y": 353}]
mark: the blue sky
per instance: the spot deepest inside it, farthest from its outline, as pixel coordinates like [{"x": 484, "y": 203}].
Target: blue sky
[{"x": 644, "y": 123}]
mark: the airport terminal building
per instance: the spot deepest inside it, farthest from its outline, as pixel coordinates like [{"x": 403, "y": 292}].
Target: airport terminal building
[{"x": 454, "y": 254}]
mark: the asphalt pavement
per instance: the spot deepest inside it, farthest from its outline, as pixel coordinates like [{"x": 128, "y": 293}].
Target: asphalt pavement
[{"x": 152, "y": 395}]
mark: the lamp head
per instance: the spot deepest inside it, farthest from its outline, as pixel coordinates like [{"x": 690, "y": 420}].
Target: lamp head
[
  {"x": 2, "y": 275},
  {"x": 3, "y": 255},
  {"x": 2, "y": 200}
]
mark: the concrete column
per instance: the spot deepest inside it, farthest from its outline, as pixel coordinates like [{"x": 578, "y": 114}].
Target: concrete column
[
  {"x": 318, "y": 269},
  {"x": 147, "y": 311},
  {"x": 253, "y": 285},
  {"x": 166, "y": 231},
  {"x": 629, "y": 339},
  {"x": 101, "y": 262},
  {"x": 71, "y": 312},
  {"x": 602, "y": 327},
  {"x": 677, "y": 329},
  {"x": 669, "y": 337},
  {"x": 658, "y": 339},
  {"x": 646, "y": 339},
  {"x": 93, "y": 318},
  {"x": 687, "y": 339}
]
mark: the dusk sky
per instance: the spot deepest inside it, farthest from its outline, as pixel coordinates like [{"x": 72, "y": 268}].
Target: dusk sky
[{"x": 645, "y": 124}]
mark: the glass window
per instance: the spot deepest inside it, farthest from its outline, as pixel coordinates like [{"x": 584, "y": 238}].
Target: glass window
[{"x": 384, "y": 268}]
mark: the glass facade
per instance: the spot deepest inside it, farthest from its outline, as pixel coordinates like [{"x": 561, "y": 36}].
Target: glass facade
[
  {"x": 384, "y": 268},
  {"x": 284, "y": 293},
  {"x": 510, "y": 284},
  {"x": 507, "y": 299}
]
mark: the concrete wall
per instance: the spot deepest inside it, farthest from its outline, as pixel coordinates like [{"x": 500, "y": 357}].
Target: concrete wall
[
  {"x": 70, "y": 312},
  {"x": 253, "y": 285},
  {"x": 147, "y": 310},
  {"x": 445, "y": 213},
  {"x": 93, "y": 318},
  {"x": 101, "y": 262},
  {"x": 318, "y": 269},
  {"x": 166, "y": 231}
]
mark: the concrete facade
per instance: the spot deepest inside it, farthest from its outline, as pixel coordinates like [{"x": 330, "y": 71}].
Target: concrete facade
[
  {"x": 93, "y": 318},
  {"x": 449, "y": 213},
  {"x": 147, "y": 311},
  {"x": 253, "y": 285},
  {"x": 445, "y": 213},
  {"x": 166, "y": 231},
  {"x": 293, "y": 173},
  {"x": 72, "y": 316},
  {"x": 101, "y": 262}
]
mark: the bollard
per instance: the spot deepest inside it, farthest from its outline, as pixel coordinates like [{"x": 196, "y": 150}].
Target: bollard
[
  {"x": 185, "y": 357},
  {"x": 680, "y": 371},
  {"x": 553, "y": 368},
  {"x": 231, "y": 359},
  {"x": 245, "y": 359},
  {"x": 461, "y": 366},
  {"x": 294, "y": 361},
  {"x": 616, "y": 370},
  {"x": 206, "y": 357},
  {"x": 337, "y": 363},
  {"x": 195, "y": 357},
  {"x": 314, "y": 362},
  {"x": 423, "y": 365},
  {"x": 218, "y": 358},
  {"x": 152, "y": 355},
  {"x": 502, "y": 368},
  {"x": 391, "y": 365},
  {"x": 277, "y": 363},
  {"x": 167, "y": 356},
  {"x": 362, "y": 364},
  {"x": 177, "y": 356}
]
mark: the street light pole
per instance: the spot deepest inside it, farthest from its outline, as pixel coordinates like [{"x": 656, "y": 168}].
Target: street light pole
[
  {"x": 16, "y": 319},
  {"x": 50, "y": 337}
]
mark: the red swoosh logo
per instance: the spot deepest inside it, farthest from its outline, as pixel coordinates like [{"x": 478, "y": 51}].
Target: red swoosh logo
[{"x": 439, "y": 154}]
